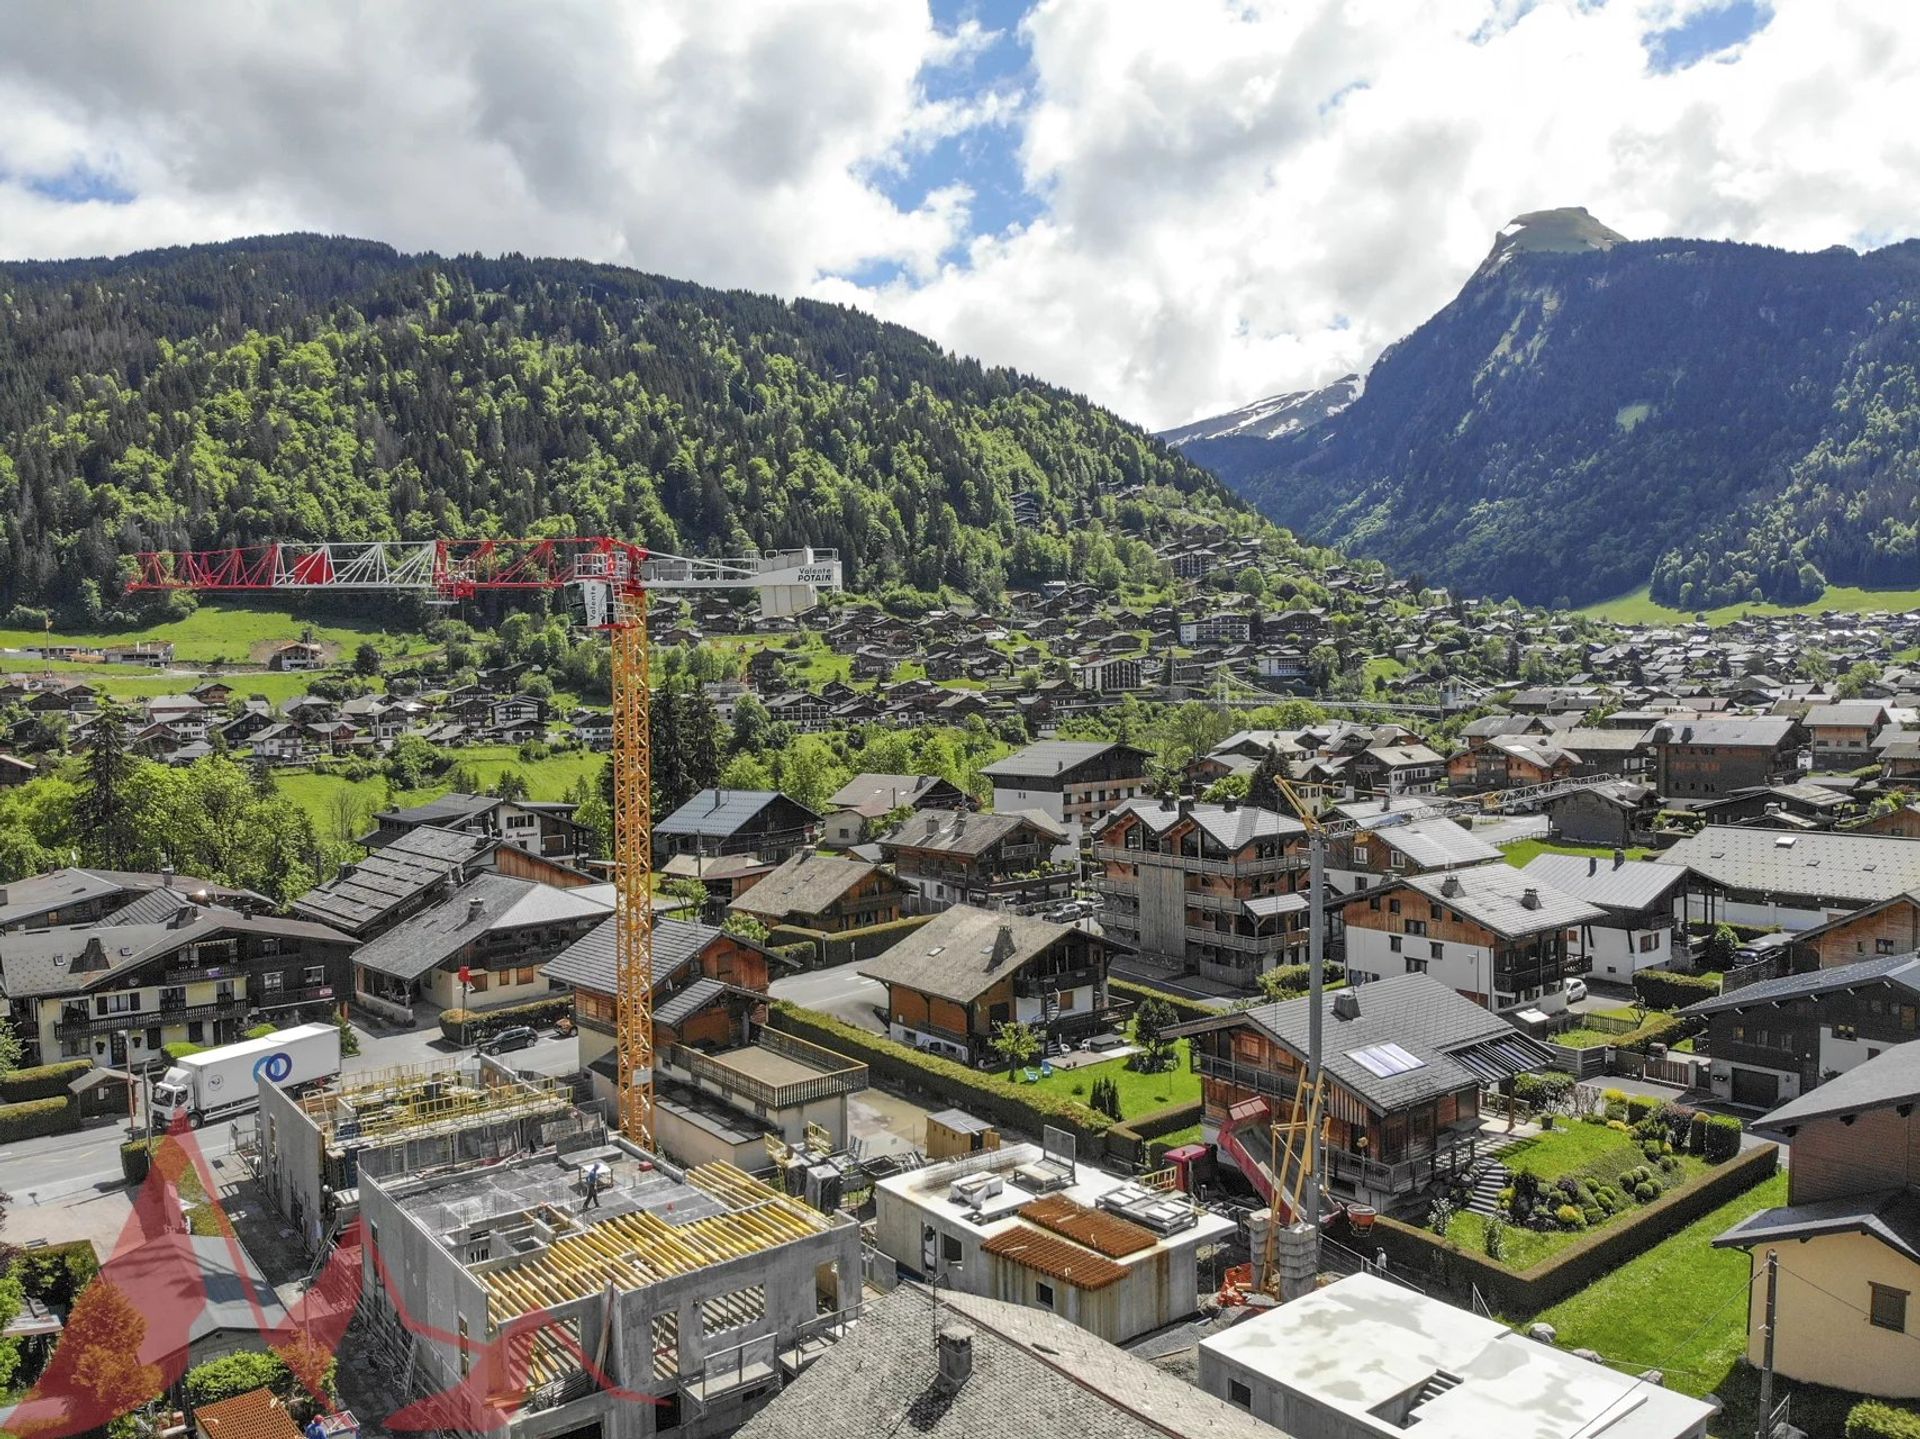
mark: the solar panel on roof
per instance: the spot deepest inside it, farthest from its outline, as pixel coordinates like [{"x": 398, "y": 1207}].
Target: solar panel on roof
[{"x": 1385, "y": 1060}]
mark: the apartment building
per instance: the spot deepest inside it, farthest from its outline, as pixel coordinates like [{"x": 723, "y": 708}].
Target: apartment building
[{"x": 1069, "y": 781}]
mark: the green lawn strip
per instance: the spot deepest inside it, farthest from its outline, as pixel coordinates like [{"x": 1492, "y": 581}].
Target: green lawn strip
[
  {"x": 547, "y": 779},
  {"x": 232, "y": 632},
  {"x": 137, "y": 682},
  {"x": 1680, "y": 1307},
  {"x": 1522, "y": 852},
  {"x": 1638, "y": 607},
  {"x": 1139, "y": 1093},
  {"x": 1580, "y": 1037},
  {"x": 1593, "y": 1150}
]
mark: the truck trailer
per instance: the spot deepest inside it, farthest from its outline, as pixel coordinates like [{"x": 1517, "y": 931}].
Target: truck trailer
[{"x": 226, "y": 1080}]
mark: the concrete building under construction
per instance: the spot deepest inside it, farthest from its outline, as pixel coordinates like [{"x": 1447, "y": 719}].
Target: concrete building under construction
[
  {"x": 312, "y": 1151},
  {"x": 592, "y": 1291}
]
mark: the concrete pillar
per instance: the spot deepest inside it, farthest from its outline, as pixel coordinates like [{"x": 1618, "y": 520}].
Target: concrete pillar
[
  {"x": 1297, "y": 1256},
  {"x": 1258, "y": 1223}
]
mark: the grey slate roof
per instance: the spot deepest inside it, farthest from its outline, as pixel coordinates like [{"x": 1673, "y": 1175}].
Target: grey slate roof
[
  {"x": 425, "y": 940},
  {"x": 1899, "y": 970},
  {"x": 1834, "y": 867},
  {"x": 589, "y": 961},
  {"x": 1859, "y": 714},
  {"x": 392, "y": 875},
  {"x": 1456, "y": 1041},
  {"x": 1494, "y": 895},
  {"x": 954, "y": 955},
  {"x": 802, "y": 886},
  {"x": 1437, "y": 843},
  {"x": 1736, "y": 731},
  {"x": 689, "y": 1001},
  {"x": 876, "y": 794},
  {"x": 40, "y": 962},
  {"x": 1231, "y": 829},
  {"x": 1889, "y": 1078},
  {"x": 447, "y": 809},
  {"x": 1034, "y": 1373},
  {"x": 1890, "y": 1215},
  {"x": 722, "y": 813},
  {"x": 1049, "y": 758},
  {"x": 1632, "y": 884},
  {"x": 957, "y": 832},
  {"x": 22, "y": 900}
]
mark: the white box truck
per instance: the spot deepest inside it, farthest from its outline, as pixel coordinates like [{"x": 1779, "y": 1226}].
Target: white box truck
[{"x": 227, "y": 1080}]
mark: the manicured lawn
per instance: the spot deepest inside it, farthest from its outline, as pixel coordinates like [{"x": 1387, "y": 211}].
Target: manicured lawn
[
  {"x": 1575, "y": 1149},
  {"x": 1522, "y": 852},
  {"x": 1639, "y": 607},
  {"x": 1681, "y": 1307},
  {"x": 547, "y": 779},
  {"x": 234, "y": 633},
  {"x": 1580, "y": 1037},
  {"x": 1139, "y": 1093}
]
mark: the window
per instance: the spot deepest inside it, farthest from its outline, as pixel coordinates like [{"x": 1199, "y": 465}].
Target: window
[
  {"x": 1238, "y": 1393},
  {"x": 1649, "y": 943},
  {"x": 272, "y": 982},
  {"x": 1359, "y": 854},
  {"x": 949, "y": 1249},
  {"x": 1416, "y": 966},
  {"x": 1433, "y": 911},
  {"x": 1844, "y": 1031},
  {"x": 1393, "y": 943},
  {"x": 174, "y": 996},
  {"x": 153, "y": 1039},
  {"x": 1393, "y": 906},
  {"x": 477, "y": 981},
  {"x": 1889, "y": 1308},
  {"x": 1043, "y": 1295},
  {"x": 527, "y": 974},
  {"x": 313, "y": 976},
  {"x": 1373, "y": 903},
  {"x": 196, "y": 1032},
  {"x": 466, "y": 1356},
  {"x": 1416, "y": 926},
  {"x": 1436, "y": 950}
]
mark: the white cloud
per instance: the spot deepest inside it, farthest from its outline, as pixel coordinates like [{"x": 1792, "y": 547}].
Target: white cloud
[{"x": 1232, "y": 198}]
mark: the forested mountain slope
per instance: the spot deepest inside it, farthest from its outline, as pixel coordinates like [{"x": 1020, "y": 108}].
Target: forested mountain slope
[
  {"x": 1729, "y": 421},
  {"x": 303, "y": 387}
]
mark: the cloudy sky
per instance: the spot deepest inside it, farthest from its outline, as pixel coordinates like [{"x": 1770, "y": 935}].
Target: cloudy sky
[{"x": 1175, "y": 206}]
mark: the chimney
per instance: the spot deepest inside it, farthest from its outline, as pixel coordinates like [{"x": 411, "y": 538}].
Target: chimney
[
  {"x": 166, "y": 876},
  {"x": 1002, "y": 945},
  {"x": 1531, "y": 899},
  {"x": 1619, "y": 858},
  {"x": 1450, "y": 886},
  {"x": 345, "y": 872},
  {"x": 1186, "y": 806},
  {"x": 1346, "y": 1004},
  {"x": 1231, "y": 803},
  {"x": 1386, "y": 802},
  {"x": 1593, "y": 863},
  {"x": 955, "y": 1343},
  {"x": 477, "y": 909}
]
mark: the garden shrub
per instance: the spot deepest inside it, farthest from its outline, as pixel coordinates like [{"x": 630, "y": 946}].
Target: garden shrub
[
  {"x": 1614, "y": 1101},
  {"x": 1496, "y": 1239},
  {"x": 1570, "y": 1217},
  {"x": 1621, "y": 1125},
  {"x": 478, "y": 1024},
  {"x": 1722, "y": 1139},
  {"x": 42, "y": 1081},
  {"x": 33, "y": 1118},
  {"x": 1646, "y": 1191},
  {"x": 1665, "y": 989},
  {"x": 1697, "y": 1132},
  {"x": 1875, "y": 1419},
  {"x": 1639, "y": 1106},
  {"x": 1549, "y": 1089}
]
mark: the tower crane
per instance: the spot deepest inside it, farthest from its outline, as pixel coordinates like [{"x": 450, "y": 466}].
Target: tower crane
[{"x": 606, "y": 582}]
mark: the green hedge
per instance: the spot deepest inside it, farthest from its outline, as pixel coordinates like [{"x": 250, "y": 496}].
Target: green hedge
[
  {"x": 1182, "y": 1006},
  {"x": 1874, "y": 1419},
  {"x": 1667, "y": 1029},
  {"x": 478, "y": 1024},
  {"x": 1665, "y": 989},
  {"x": 136, "y": 1158},
  {"x": 43, "y": 1081},
  {"x": 32, "y": 1118},
  {"x": 56, "y": 1274},
  {"x": 1132, "y": 1140},
  {"x": 848, "y": 946},
  {"x": 1722, "y": 1138},
  {"x": 983, "y": 1094},
  {"x": 1437, "y": 1261}
]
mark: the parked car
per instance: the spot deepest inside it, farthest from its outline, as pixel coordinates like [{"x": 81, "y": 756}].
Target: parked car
[
  {"x": 514, "y": 1036},
  {"x": 1576, "y": 990},
  {"x": 1761, "y": 947}
]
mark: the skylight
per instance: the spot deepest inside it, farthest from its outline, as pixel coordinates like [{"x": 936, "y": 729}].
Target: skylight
[{"x": 1385, "y": 1060}]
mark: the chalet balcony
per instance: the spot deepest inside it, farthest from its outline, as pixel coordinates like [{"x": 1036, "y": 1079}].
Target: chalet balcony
[
  {"x": 1033, "y": 986},
  {"x": 73, "y": 1024},
  {"x": 1230, "y": 939},
  {"x": 1280, "y": 864},
  {"x": 1759, "y": 1056}
]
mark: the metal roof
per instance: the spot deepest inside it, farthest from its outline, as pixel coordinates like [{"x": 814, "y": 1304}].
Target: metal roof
[
  {"x": 455, "y": 806},
  {"x": 589, "y": 961},
  {"x": 433, "y": 936},
  {"x": 1628, "y": 884},
  {"x": 1052, "y": 757},
  {"x": 1890, "y": 1215},
  {"x": 1495, "y": 895},
  {"x": 1231, "y": 829},
  {"x": 722, "y": 813},
  {"x": 1833, "y": 867},
  {"x": 1436, "y": 843},
  {"x": 1736, "y": 731},
  {"x": 1901, "y": 970},
  {"x": 1057, "y": 1258},
  {"x": 392, "y": 875},
  {"x": 1455, "y": 1041},
  {"x": 1889, "y": 1078},
  {"x": 41, "y": 961},
  {"x": 958, "y": 832}
]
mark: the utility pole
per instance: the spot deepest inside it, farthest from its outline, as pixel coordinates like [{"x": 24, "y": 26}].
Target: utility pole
[
  {"x": 1316, "y": 986},
  {"x": 1763, "y": 1422}
]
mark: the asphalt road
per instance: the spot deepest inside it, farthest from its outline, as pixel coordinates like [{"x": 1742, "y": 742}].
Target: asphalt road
[
  {"x": 35, "y": 1170},
  {"x": 839, "y": 992}
]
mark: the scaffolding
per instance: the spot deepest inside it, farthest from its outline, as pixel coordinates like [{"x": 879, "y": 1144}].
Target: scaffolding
[
  {"x": 628, "y": 1251},
  {"x": 409, "y": 1099}
]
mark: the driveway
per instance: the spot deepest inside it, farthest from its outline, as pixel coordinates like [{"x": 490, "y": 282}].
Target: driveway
[{"x": 841, "y": 992}]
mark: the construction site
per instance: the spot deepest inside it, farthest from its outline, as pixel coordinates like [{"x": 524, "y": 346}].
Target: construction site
[{"x": 593, "y": 1289}]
